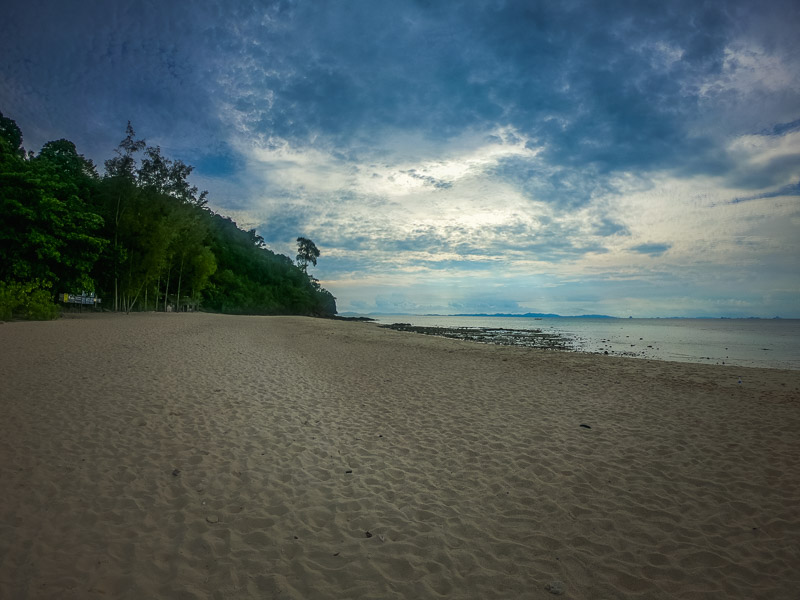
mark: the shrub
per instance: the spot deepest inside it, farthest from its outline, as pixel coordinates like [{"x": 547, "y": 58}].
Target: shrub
[{"x": 29, "y": 300}]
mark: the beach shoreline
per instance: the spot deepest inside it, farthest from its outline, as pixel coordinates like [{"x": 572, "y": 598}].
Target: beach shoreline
[
  {"x": 211, "y": 456},
  {"x": 739, "y": 342}
]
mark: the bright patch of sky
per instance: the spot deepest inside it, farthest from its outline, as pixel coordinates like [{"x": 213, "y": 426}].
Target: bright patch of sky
[{"x": 477, "y": 156}]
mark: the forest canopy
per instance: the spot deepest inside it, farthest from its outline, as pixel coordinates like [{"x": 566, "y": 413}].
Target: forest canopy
[{"x": 139, "y": 236}]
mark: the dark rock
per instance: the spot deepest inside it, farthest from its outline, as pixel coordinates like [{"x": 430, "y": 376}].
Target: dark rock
[
  {"x": 555, "y": 587},
  {"x": 530, "y": 338},
  {"x": 585, "y": 426}
]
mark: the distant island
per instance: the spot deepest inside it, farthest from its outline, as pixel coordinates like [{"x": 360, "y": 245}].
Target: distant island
[{"x": 529, "y": 315}]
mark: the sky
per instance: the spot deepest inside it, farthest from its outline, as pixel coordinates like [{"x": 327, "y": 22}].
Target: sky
[{"x": 574, "y": 157}]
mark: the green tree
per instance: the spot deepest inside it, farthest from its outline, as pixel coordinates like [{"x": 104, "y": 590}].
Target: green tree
[
  {"x": 141, "y": 231},
  {"x": 169, "y": 177},
  {"x": 68, "y": 181},
  {"x": 202, "y": 265},
  {"x": 250, "y": 278},
  {"x": 120, "y": 192},
  {"x": 11, "y": 133},
  {"x": 63, "y": 156},
  {"x": 190, "y": 234},
  {"x": 48, "y": 230},
  {"x": 307, "y": 252},
  {"x": 124, "y": 163}
]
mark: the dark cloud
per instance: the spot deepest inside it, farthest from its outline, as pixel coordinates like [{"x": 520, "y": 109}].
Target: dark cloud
[
  {"x": 767, "y": 174},
  {"x": 783, "y": 128},
  {"x": 599, "y": 86},
  {"x": 651, "y": 249},
  {"x": 772, "y": 171},
  {"x": 440, "y": 184},
  {"x": 589, "y": 83},
  {"x": 607, "y": 227},
  {"x": 82, "y": 70},
  {"x": 788, "y": 190},
  {"x": 562, "y": 186}
]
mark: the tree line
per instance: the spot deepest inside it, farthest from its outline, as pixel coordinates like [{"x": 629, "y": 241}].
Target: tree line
[{"x": 139, "y": 236}]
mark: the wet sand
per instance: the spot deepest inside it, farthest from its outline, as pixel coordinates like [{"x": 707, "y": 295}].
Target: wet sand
[{"x": 206, "y": 456}]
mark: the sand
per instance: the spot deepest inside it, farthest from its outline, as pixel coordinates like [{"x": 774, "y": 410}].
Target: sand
[{"x": 206, "y": 456}]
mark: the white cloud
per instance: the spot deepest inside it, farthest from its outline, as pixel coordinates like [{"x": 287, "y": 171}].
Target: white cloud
[
  {"x": 446, "y": 174},
  {"x": 749, "y": 68},
  {"x": 760, "y": 150}
]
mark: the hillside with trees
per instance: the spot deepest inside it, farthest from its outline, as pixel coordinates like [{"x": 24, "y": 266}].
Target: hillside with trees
[{"x": 139, "y": 236}]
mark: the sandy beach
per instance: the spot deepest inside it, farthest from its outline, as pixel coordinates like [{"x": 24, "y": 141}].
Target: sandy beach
[{"x": 206, "y": 456}]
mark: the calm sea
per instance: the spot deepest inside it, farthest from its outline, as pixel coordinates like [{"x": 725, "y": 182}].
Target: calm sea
[{"x": 773, "y": 343}]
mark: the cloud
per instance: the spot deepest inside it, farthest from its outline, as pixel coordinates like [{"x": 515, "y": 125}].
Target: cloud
[
  {"x": 765, "y": 161},
  {"x": 593, "y": 90},
  {"x": 96, "y": 65},
  {"x": 783, "y": 128},
  {"x": 428, "y": 179},
  {"x": 529, "y": 145},
  {"x": 608, "y": 227},
  {"x": 651, "y": 249},
  {"x": 788, "y": 190}
]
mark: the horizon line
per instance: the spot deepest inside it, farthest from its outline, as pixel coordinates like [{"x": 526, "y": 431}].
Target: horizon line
[{"x": 557, "y": 316}]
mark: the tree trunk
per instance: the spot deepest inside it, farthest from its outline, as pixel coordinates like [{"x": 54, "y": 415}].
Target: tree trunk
[
  {"x": 180, "y": 277},
  {"x": 117, "y": 217},
  {"x": 166, "y": 285},
  {"x": 126, "y": 302},
  {"x": 129, "y": 302}
]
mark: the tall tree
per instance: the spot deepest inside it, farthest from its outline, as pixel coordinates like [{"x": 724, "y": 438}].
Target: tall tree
[
  {"x": 169, "y": 177},
  {"x": 124, "y": 163},
  {"x": 11, "y": 133},
  {"x": 121, "y": 191},
  {"x": 307, "y": 252}
]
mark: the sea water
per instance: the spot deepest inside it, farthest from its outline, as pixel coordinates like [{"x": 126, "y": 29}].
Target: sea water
[{"x": 772, "y": 343}]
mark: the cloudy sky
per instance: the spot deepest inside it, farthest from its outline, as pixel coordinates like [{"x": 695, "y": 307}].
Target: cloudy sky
[{"x": 618, "y": 157}]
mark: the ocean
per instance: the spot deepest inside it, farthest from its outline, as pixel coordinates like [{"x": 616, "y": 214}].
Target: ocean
[{"x": 771, "y": 343}]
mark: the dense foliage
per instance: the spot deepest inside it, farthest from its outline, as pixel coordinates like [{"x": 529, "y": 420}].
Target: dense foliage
[{"x": 139, "y": 236}]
